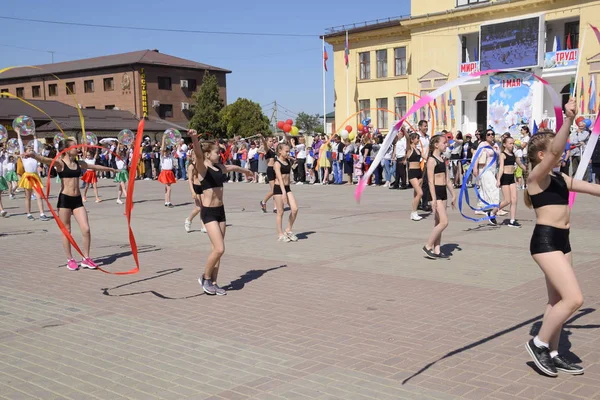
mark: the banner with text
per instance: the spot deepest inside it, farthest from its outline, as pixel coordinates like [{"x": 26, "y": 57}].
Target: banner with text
[
  {"x": 561, "y": 59},
  {"x": 510, "y": 97},
  {"x": 465, "y": 69}
]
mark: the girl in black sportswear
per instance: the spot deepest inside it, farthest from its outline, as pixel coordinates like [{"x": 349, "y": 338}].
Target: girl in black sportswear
[
  {"x": 439, "y": 184},
  {"x": 283, "y": 193},
  {"x": 506, "y": 179},
  {"x": 212, "y": 175},
  {"x": 270, "y": 159},
  {"x": 548, "y": 194},
  {"x": 70, "y": 203}
]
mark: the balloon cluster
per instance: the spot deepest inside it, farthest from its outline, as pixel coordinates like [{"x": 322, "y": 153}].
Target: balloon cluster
[
  {"x": 348, "y": 134},
  {"x": 24, "y": 125},
  {"x": 172, "y": 136},
  {"x": 586, "y": 121},
  {"x": 126, "y": 137},
  {"x": 288, "y": 127},
  {"x": 3, "y": 134}
]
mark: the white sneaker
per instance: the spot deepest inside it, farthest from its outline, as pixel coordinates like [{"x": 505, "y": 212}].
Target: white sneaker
[
  {"x": 119, "y": 201},
  {"x": 203, "y": 230},
  {"x": 415, "y": 216},
  {"x": 299, "y": 183},
  {"x": 284, "y": 238},
  {"x": 3, "y": 213},
  {"x": 480, "y": 212},
  {"x": 501, "y": 213},
  {"x": 146, "y": 179},
  {"x": 387, "y": 184},
  {"x": 188, "y": 225}
]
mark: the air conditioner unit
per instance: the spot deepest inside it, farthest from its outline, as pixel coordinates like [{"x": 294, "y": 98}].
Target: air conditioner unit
[
  {"x": 184, "y": 83},
  {"x": 185, "y": 106},
  {"x": 155, "y": 103}
]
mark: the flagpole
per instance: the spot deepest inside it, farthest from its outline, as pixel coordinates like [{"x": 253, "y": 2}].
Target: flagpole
[
  {"x": 579, "y": 56},
  {"x": 347, "y": 83},
  {"x": 324, "y": 94}
]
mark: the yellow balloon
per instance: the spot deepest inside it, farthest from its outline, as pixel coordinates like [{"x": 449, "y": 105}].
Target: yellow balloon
[
  {"x": 294, "y": 131},
  {"x": 351, "y": 136}
]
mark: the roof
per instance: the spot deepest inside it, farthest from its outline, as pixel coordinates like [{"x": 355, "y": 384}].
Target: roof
[{"x": 145, "y": 57}]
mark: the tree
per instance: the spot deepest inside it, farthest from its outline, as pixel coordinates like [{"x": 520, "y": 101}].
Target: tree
[
  {"x": 308, "y": 123},
  {"x": 207, "y": 106},
  {"x": 245, "y": 118}
]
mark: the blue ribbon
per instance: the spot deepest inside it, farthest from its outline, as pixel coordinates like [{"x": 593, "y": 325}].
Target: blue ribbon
[{"x": 465, "y": 192}]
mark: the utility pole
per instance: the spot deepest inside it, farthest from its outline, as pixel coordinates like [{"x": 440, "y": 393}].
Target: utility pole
[
  {"x": 52, "y": 53},
  {"x": 276, "y": 118}
]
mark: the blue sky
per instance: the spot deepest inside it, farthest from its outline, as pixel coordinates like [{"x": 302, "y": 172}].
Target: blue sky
[{"x": 286, "y": 69}]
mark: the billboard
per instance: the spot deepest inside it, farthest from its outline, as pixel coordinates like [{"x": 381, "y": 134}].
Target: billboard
[
  {"x": 510, "y": 44},
  {"x": 510, "y": 98},
  {"x": 560, "y": 59}
]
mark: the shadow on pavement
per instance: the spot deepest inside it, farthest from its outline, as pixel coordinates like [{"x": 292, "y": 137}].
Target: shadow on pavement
[{"x": 248, "y": 277}]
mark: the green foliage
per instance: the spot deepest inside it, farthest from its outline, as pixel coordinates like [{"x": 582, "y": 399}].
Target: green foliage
[
  {"x": 244, "y": 118},
  {"x": 207, "y": 106},
  {"x": 309, "y": 123}
]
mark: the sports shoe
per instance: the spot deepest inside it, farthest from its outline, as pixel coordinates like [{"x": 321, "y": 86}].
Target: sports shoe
[
  {"x": 98, "y": 200},
  {"x": 3, "y": 213},
  {"x": 429, "y": 253},
  {"x": 72, "y": 265},
  {"x": 119, "y": 201},
  {"x": 292, "y": 237},
  {"x": 12, "y": 196},
  {"x": 492, "y": 218},
  {"x": 187, "y": 225},
  {"x": 501, "y": 213},
  {"x": 43, "y": 217},
  {"x": 219, "y": 290},
  {"x": 479, "y": 212},
  {"x": 207, "y": 286},
  {"x": 274, "y": 211},
  {"x": 203, "y": 230},
  {"x": 415, "y": 216},
  {"x": 88, "y": 263},
  {"x": 442, "y": 255},
  {"x": 541, "y": 358},
  {"x": 284, "y": 238},
  {"x": 565, "y": 366},
  {"x": 170, "y": 205},
  {"x": 30, "y": 217},
  {"x": 514, "y": 224},
  {"x": 263, "y": 206}
]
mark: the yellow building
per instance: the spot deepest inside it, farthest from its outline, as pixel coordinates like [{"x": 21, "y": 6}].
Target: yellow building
[{"x": 441, "y": 38}]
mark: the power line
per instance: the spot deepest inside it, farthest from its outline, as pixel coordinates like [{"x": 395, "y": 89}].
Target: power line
[{"x": 139, "y": 28}]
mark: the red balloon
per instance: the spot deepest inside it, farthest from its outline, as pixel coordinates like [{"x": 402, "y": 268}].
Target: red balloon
[
  {"x": 348, "y": 128},
  {"x": 289, "y": 122},
  {"x": 578, "y": 120},
  {"x": 287, "y": 127},
  {"x": 280, "y": 124}
]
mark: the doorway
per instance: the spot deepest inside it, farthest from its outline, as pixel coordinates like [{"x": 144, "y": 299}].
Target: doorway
[{"x": 481, "y": 100}]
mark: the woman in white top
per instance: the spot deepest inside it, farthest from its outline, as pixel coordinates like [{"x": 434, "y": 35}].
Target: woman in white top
[
  {"x": 89, "y": 176},
  {"x": 122, "y": 175},
  {"x": 166, "y": 177},
  {"x": 30, "y": 177},
  {"x": 455, "y": 157},
  {"x": 301, "y": 161}
]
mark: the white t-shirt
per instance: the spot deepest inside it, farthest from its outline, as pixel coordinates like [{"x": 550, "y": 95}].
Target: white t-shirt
[
  {"x": 300, "y": 151},
  {"x": 120, "y": 164},
  {"x": 524, "y": 141},
  {"x": 251, "y": 153},
  {"x": 401, "y": 148},
  {"x": 423, "y": 145},
  {"x": 166, "y": 163},
  {"x": 182, "y": 150},
  {"x": 90, "y": 161}
]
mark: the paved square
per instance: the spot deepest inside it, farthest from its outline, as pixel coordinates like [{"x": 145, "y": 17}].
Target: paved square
[{"x": 351, "y": 311}]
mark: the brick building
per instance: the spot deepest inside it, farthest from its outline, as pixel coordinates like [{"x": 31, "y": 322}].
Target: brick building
[{"x": 146, "y": 83}]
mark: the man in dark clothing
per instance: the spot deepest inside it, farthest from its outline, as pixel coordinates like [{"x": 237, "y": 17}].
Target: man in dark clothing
[{"x": 147, "y": 157}]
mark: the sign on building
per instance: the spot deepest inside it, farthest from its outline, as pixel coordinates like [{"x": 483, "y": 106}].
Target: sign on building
[{"x": 510, "y": 97}]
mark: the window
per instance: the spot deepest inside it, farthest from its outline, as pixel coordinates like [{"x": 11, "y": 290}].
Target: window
[
  {"x": 164, "y": 83},
  {"x": 109, "y": 107},
  {"x": 88, "y": 86},
  {"x": 109, "y": 84},
  {"x": 365, "y": 111},
  {"x": 53, "y": 89},
  {"x": 21, "y": 92},
  {"x": 400, "y": 61},
  {"x": 463, "y": 49},
  {"x": 36, "y": 91},
  {"x": 192, "y": 85},
  {"x": 90, "y": 108},
  {"x": 460, "y": 3},
  {"x": 400, "y": 106},
  {"x": 382, "y": 115},
  {"x": 3, "y": 91},
  {"x": 365, "y": 65},
  {"x": 70, "y": 87},
  {"x": 381, "y": 63},
  {"x": 165, "y": 111},
  {"x": 572, "y": 31}
]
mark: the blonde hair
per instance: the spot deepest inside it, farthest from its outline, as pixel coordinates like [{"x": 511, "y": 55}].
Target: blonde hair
[{"x": 538, "y": 142}]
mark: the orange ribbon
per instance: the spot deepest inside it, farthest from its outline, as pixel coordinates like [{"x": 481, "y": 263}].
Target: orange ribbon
[{"x": 128, "y": 201}]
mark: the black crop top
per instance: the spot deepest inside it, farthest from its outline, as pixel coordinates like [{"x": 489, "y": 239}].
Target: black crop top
[
  {"x": 285, "y": 168},
  {"x": 440, "y": 166},
  {"x": 509, "y": 160},
  {"x": 556, "y": 193},
  {"x": 269, "y": 154},
  {"x": 70, "y": 173},
  {"x": 213, "y": 179},
  {"x": 415, "y": 156}
]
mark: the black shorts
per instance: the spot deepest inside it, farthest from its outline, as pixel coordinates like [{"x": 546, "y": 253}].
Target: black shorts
[
  {"x": 440, "y": 192},
  {"x": 254, "y": 165},
  {"x": 455, "y": 156},
  {"x": 507, "y": 179},
  {"x": 270, "y": 174},
  {"x": 546, "y": 239},
  {"x": 212, "y": 214},
  {"x": 415, "y": 173},
  {"x": 70, "y": 202},
  {"x": 197, "y": 188},
  {"x": 277, "y": 190}
]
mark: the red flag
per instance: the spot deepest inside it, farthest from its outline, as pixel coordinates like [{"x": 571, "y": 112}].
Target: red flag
[
  {"x": 325, "y": 58},
  {"x": 569, "y": 42}
]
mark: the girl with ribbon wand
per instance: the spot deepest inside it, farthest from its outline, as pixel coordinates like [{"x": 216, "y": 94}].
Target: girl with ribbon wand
[
  {"x": 439, "y": 184},
  {"x": 70, "y": 202},
  {"x": 548, "y": 194},
  {"x": 122, "y": 175},
  {"x": 506, "y": 179},
  {"x": 415, "y": 174},
  {"x": 196, "y": 190},
  {"x": 212, "y": 175}
]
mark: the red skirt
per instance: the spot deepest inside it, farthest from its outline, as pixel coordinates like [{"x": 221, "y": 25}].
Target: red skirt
[
  {"x": 167, "y": 177},
  {"x": 89, "y": 176}
]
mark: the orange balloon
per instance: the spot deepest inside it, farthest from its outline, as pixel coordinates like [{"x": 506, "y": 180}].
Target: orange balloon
[{"x": 360, "y": 127}]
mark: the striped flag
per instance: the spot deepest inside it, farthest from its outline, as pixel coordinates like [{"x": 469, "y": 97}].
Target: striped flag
[
  {"x": 452, "y": 120},
  {"x": 592, "y": 96},
  {"x": 325, "y": 58},
  {"x": 415, "y": 118},
  {"x": 582, "y": 96},
  {"x": 347, "y": 52},
  {"x": 444, "y": 116}
]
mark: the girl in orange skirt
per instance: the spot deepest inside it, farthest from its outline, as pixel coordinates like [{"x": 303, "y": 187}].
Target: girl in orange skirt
[
  {"x": 166, "y": 177},
  {"x": 30, "y": 177},
  {"x": 89, "y": 176}
]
